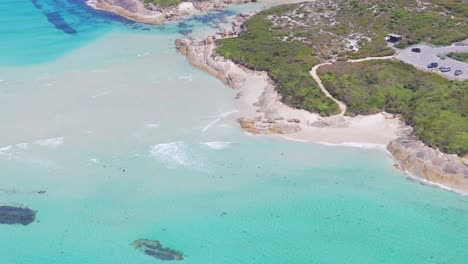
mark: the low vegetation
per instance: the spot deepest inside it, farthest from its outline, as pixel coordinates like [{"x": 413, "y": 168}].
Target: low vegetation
[
  {"x": 288, "y": 40},
  {"x": 287, "y": 63},
  {"x": 163, "y": 3},
  {"x": 459, "y": 56},
  {"x": 435, "y": 107}
]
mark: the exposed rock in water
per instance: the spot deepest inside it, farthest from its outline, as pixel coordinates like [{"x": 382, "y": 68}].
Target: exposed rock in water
[
  {"x": 154, "y": 249},
  {"x": 185, "y": 32},
  {"x": 430, "y": 164},
  {"x": 12, "y": 215}
]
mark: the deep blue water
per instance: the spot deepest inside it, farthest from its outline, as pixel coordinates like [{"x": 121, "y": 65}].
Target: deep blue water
[{"x": 37, "y": 31}]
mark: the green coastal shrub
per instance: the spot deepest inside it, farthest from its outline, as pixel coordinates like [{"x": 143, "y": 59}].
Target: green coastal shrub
[{"x": 436, "y": 107}]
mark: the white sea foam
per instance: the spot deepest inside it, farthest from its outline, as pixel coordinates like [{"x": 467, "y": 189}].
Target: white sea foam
[
  {"x": 144, "y": 54},
  {"x": 173, "y": 155},
  {"x": 187, "y": 78},
  {"x": 217, "y": 145},
  {"x": 5, "y": 152},
  {"x": 218, "y": 118},
  {"x": 99, "y": 95},
  {"x": 152, "y": 125},
  {"x": 95, "y": 161},
  {"x": 211, "y": 124},
  {"x": 22, "y": 145},
  {"x": 50, "y": 142}
]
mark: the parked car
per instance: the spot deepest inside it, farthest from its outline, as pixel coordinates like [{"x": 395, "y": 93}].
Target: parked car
[
  {"x": 433, "y": 65},
  {"x": 458, "y": 72},
  {"x": 417, "y": 50},
  {"x": 445, "y": 69}
]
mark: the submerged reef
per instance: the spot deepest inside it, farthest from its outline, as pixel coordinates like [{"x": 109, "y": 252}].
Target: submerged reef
[
  {"x": 154, "y": 249},
  {"x": 12, "y": 215}
]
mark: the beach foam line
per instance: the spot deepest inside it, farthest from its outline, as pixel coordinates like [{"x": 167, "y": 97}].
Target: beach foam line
[
  {"x": 50, "y": 142},
  {"x": 294, "y": 139},
  {"x": 217, "y": 145},
  {"x": 431, "y": 183},
  {"x": 361, "y": 145}
]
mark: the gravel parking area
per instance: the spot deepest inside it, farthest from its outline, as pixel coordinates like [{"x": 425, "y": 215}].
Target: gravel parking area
[{"x": 431, "y": 54}]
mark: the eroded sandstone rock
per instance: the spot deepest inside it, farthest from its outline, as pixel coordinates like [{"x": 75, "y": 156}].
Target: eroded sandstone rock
[{"x": 430, "y": 164}]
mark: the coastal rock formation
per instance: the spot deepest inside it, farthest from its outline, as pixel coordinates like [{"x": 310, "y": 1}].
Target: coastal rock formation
[
  {"x": 154, "y": 249},
  {"x": 150, "y": 13},
  {"x": 201, "y": 55},
  {"x": 430, "y": 164},
  {"x": 12, "y": 215}
]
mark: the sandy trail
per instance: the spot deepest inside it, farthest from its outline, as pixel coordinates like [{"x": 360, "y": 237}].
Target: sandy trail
[{"x": 314, "y": 75}]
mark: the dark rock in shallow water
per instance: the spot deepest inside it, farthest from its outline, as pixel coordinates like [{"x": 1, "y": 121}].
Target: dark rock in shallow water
[
  {"x": 155, "y": 249},
  {"x": 12, "y": 215},
  {"x": 185, "y": 32},
  {"x": 182, "y": 25}
]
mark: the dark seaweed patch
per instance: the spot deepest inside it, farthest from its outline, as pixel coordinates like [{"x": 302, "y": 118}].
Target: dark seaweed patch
[
  {"x": 208, "y": 18},
  {"x": 36, "y": 4},
  {"x": 154, "y": 249},
  {"x": 12, "y": 215},
  {"x": 57, "y": 20},
  {"x": 185, "y": 32}
]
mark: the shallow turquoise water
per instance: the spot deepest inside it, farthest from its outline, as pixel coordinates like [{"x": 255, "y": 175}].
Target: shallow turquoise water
[{"x": 114, "y": 126}]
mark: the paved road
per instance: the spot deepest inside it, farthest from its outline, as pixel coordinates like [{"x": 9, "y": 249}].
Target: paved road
[{"x": 429, "y": 54}]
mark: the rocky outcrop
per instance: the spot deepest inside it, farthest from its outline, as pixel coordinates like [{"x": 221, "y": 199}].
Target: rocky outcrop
[
  {"x": 12, "y": 215},
  {"x": 152, "y": 14},
  {"x": 199, "y": 55},
  {"x": 421, "y": 161},
  {"x": 154, "y": 249}
]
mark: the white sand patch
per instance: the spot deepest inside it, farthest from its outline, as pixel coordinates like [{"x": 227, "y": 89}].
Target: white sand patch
[
  {"x": 50, "y": 142},
  {"x": 217, "y": 145}
]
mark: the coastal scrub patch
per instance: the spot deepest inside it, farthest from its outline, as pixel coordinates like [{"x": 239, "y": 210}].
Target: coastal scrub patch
[
  {"x": 287, "y": 63},
  {"x": 459, "y": 56},
  {"x": 163, "y": 3},
  {"x": 357, "y": 29},
  {"x": 436, "y": 107}
]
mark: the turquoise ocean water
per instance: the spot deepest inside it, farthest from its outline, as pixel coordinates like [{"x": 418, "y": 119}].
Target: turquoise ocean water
[{"x": 131, "y": 142}]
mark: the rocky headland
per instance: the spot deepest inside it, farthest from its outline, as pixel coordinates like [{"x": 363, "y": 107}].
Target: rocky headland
[
  {"x": 138, "y": 11},
  {"x": 262, "y": 112},
  {"x": 420, "y": 161}
]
